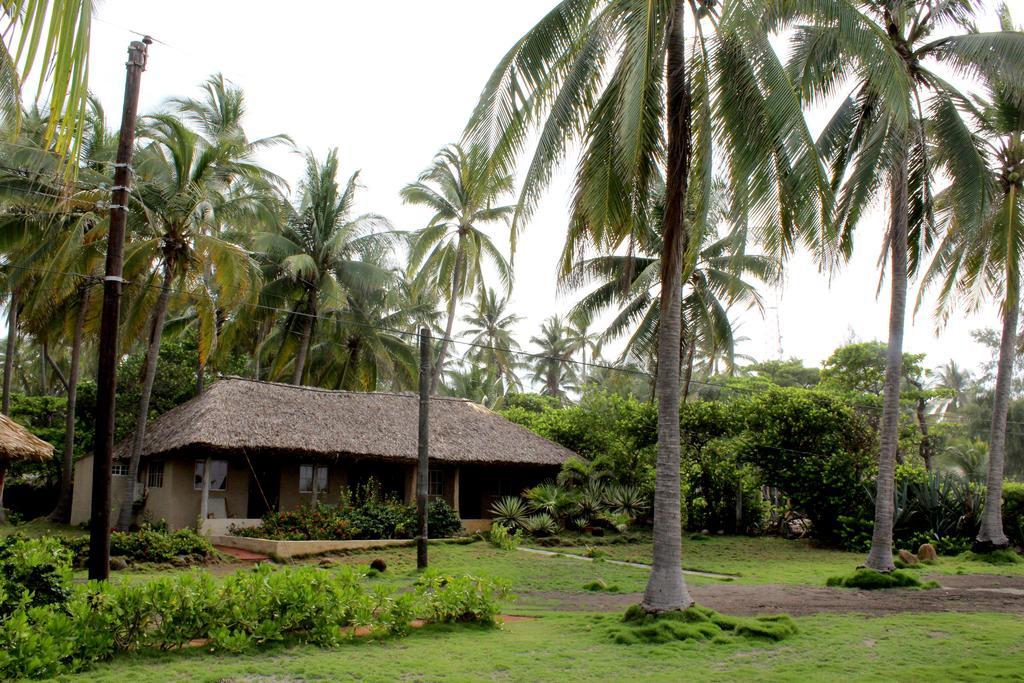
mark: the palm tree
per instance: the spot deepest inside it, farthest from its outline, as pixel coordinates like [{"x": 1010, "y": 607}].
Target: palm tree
[
  {"x": 877, "y": 139},
  {"x": 51, "y": 227},
  {"x": 583, "y": 340},
  {"x": 983, "y": 251},
  {"x": 55, "y": 36},
  {"x": 448, "y": 255},
  {"x": 494, "y": 344},
  {"x": 617, "y": 77},
  {"x": 553, "y": 366},
  {"x": 314, "y": 258},
  {"x": 185, "y": 195},
  {"x": 715, "y": 278},
  {"x": 957, "y": 381}
]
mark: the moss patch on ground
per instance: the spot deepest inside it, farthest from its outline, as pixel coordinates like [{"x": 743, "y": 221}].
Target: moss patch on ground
[
  {"x": 869, "y": 579},
  {"x": 698, "y": 624},
  {"x": 1002, "y": 557}
]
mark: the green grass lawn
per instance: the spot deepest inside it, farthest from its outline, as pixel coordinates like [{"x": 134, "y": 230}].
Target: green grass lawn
[
  {"x": 766, "y": 559},
  {"x": 41, "y": 527},
  {"x": 576, "y": 647}
]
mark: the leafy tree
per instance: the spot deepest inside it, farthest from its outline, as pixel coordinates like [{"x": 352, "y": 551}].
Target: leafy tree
[
  {"x": 448, "y": 255},
  {"x": 786, "y": 373}
]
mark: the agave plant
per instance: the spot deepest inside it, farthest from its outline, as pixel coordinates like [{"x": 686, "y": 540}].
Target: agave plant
[
  {"x": 541, "y": 524},
  {"x": 591, "y": 499},
  {"x": 626, "y": 500},
  {"x": 549, "y": 498},
  {"x": 511, "y": 511}
]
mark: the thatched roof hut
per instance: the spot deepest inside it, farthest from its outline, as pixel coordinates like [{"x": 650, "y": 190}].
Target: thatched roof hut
[
  {"x": 17, "y": 443},
  {"x": 284, "y": 420}
]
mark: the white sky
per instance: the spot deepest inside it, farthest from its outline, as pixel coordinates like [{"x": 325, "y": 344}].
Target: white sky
[{"x": 389, "y": 83}]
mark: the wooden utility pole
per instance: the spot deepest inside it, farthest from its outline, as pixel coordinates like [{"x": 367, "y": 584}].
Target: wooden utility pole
[
  {"x": 423, "y": 466},
  {"x": 106, "y": 381}
]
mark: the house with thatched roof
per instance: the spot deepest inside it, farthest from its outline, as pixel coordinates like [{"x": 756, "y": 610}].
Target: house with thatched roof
[
  {"x": 270, "y": 446},
  {"x": 17, "y": 443}
]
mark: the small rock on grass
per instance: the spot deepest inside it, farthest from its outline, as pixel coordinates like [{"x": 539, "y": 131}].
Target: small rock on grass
[
  {"x": 907, "y": 557},
  {"x": 926, "y": 553},
  {"x": 118, "y": 563}
]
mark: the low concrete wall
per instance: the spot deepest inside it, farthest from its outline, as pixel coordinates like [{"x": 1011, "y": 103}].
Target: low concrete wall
[
  {"x": 222, "y": 527},
  {"x": 286, "y": 549}
]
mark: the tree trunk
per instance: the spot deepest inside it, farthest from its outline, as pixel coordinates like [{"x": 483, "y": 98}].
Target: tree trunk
[
  {"x": 200, "y": 377},
  {"x": 991, "y": 535},
  {"x": 925, "y": 450},
  {"x": 666, "y": 589},
  {"x": 62, "y": 512},
  {"x": 12, "y": 336},
  {"x": 880, "y": 556},
  {"x": 689, "y": 370},
  {"x": 57, "y": 371},
  {"x": 307, "y": 336},
  {"x": 453, "y": 300},
  {"x": 156, "y": 333}
]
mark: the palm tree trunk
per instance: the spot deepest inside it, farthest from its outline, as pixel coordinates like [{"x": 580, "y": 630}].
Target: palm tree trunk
[
  {"x": 666, "y": 589},
  {"x": 58, "y": 373},
  {"x": 453, "y": 300},
  {"x": 62, "y": 511},
  {"x": 156, "y": 333},
  {"x": 12, "y": 338},
  {"x": 200, "y": 377},
  {"x": 991, "y": 534},
  {"x": 12, "y": 335},
  {"x": 307, "y": 336},
  {"x": 689, "y": 370},
  {"x": 880, "y": 556}
]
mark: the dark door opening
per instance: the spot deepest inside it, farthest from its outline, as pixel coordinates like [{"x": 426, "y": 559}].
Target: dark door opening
[{"x": 264, "y": 487}]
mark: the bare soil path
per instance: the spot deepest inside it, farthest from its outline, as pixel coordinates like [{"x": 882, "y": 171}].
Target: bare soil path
[{"x": 968, "y": 593}]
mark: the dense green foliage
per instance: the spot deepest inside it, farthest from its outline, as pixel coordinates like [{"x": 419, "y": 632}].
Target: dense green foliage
[
  {"x": 369, "y": 517},
  {"x": 1013, "y": 512},
  {"x": 151, "y": 543},
  {"x": 72, "y": 626}
]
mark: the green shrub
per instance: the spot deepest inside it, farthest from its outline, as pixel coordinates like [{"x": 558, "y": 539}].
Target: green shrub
[
  {"x": 501, "y": 537},
  {"x": 34, "y": 572},
  {"x": 600, "y": 585},
  {"x": 869, "y": 579},
  {"x": 151, "y": 543},
  {"x": 442, "y": 520},
  {"x": 371, "y": 515},
  {"x": 1013, "y": 511},
  {"x": 448, "y": 599},
  {"x": 248, "y": 609}
]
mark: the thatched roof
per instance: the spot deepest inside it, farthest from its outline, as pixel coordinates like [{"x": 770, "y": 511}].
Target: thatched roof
[
  {"x": 235, "y": 415},
  {"x": 17, "y": 443}
]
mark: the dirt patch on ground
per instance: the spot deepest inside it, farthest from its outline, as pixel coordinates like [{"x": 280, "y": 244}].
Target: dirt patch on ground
[{"x": 968, "y": 593}]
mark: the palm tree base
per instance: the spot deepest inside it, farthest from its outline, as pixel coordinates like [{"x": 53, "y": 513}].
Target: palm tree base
[{"x": 985, "y": 547}]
